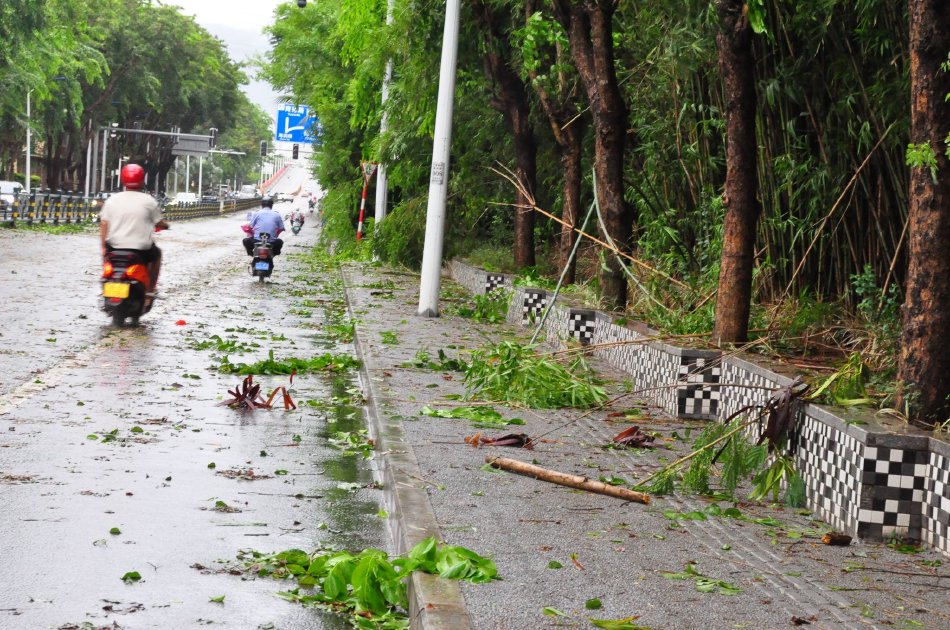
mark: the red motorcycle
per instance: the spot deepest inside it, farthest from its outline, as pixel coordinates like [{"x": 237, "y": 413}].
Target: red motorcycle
[{"x": 125, "y": 285}]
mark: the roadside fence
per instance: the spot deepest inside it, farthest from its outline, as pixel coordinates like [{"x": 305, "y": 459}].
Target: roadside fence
[{"x": 58, "y": 207}]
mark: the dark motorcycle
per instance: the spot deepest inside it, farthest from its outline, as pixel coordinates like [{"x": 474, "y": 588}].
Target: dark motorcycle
[
  {"x": 125, "y": 285},
  {"x": 262, "y": 263}
]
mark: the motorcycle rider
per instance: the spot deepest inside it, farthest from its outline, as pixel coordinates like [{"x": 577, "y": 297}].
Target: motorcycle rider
[
  {"x": 265, "y": 220},
  {"x": 295, "y": 215},
  {"x": 129, "y": 219}
]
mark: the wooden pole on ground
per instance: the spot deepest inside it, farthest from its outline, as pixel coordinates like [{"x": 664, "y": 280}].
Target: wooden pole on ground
[{"x": 564, "y": 479}]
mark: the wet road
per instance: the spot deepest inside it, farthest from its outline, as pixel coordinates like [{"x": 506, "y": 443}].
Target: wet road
[{"x": 104, "y": 428}]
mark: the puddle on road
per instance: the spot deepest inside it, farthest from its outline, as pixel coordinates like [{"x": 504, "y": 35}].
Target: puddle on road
[
  {"x": 352, "y": 513},
  {"x": 155, "y": 390}
]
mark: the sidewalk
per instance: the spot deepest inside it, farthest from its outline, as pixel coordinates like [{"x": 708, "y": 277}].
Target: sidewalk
[{"x": 607, "y": 549}]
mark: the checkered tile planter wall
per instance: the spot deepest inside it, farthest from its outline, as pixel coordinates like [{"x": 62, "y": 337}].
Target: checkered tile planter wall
[
  {"x": 581, "y": 324},
  {"x": 533, "y": 304},
  {"x": 936, "y": 521},
  {"x": 496, "y": 281},
  {"x": 893, "y": 482},
  {"x": 697, "y": 391},
  {"x": 829, "y": 462},
  {"x": 872, "y": 484}
]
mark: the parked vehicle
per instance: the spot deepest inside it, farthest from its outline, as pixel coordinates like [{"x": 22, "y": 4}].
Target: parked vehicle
[
  {"x": 9, "y": 191},
  {"x": 209, "y": 196},
  {"x": 283, "y": 196},
  {"x": 125, "y": 283},
  {"x": 248, "y": 191},
  {"x": 262, "y": 262},
  {"x": 185, "y": 197}
]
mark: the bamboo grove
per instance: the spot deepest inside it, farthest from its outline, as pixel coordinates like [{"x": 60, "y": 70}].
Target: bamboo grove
[{"x": 536, "y": 125}]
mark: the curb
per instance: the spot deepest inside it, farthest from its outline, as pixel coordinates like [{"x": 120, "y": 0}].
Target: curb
[{"x": 434, "y": 603}]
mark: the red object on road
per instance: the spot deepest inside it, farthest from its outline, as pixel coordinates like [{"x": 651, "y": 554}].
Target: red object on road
[{"x": 180, "y": 322}]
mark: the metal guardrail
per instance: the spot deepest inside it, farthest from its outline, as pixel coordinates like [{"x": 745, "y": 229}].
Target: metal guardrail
[{"x": 58, "y": 208}]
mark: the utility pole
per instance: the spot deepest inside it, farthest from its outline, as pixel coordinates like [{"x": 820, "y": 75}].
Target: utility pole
[
  {"x": 439, "y": 174},
  {"x": 105, "y": 149},
  {"x": 382, "y": 178},
  {"x": 29, "y": 141}
]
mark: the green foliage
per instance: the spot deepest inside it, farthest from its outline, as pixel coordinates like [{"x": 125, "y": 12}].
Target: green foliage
[
  {"x": 703, "y": 583},
  {"x": 481, "y": 416},
  {"x": 353, "y": 442},
  {"x": 770, "y": 481},
  {"x": 530, "y": 277},
  {"x": 922, "y": 156},
  {"x": 368, "y": 586},
  {"x": 400, "y": 238},
  {"x": 727, "y": 451},
  {"x": 880, "y": 309},
  {"x": 512, "y": 373},
  {"x": 847, "y": 386},
  {"x": 326, "y": 362},
  {"x": 490, "y": 308},
  {"x": 490, "y": 257},
  {"x": 424, "y": 361}
]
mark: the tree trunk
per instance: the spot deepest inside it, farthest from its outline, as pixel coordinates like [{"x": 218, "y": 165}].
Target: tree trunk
[
  {"x": 511, "y": 99},
  {"x": 589, "y": 25},
  {"x": 924, "y": 366},
  {"x": 567, "y": 125},
  {"x": 740, "y": 191},
  {"x": 572, "y": 152}
]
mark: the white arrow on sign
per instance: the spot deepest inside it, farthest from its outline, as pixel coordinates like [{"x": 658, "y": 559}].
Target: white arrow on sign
[{"x": 288, "y": 128}]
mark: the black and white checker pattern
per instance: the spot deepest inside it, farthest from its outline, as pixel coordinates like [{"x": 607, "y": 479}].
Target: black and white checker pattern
[
  {"x": 892, "y": 487},
  {"x": 894, "y": 483},
  {"x": 533, "y": 305},
  {"x": 493, "y": 281},
  {"x": 753, "y": 388},
  {"x": 936, "y": 525},
  {"x": 697, "y": 395},
  {"x": 829, "y": 462},
  {"x": 580, "y": 325},
  {"x": 621, "y": 348}
]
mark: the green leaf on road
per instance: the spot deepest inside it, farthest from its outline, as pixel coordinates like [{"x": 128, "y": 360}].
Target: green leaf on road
[
  {"x": 217, "y": 600},
  {"x": 593, "y": 604},
  {"x": 131, "y": 576},
  {"x": 115, "y": 531}
]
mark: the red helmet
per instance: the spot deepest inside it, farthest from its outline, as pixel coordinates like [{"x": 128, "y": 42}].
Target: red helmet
[{"x": 133, "y": 176}]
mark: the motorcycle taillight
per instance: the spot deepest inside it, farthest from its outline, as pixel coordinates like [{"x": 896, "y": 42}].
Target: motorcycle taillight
[
  {"x": 138, "y": 273},
  {"x": 107, "y": 269},
  {"x": 262, "y": 252}
]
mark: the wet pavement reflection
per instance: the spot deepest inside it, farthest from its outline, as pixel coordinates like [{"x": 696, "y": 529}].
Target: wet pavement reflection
[{"x": 116, "y": 455}]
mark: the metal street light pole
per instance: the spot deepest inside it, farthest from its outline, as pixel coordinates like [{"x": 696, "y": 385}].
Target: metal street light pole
[
  {"x": 439, "y": 174},
  {"x": 29, "y": 142},
  {"x": 382, "y": 177},
  {"x": 105, "y": 149}
]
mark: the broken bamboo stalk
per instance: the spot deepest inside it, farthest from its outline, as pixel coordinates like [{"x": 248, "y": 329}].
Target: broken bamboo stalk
[{"x": 564, "y": 479}]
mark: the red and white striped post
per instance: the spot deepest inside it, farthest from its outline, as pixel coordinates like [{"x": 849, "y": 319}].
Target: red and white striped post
[{"x": 368, "y": 169}]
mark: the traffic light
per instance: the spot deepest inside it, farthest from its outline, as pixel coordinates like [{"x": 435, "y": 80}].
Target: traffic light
[
  {"x": 263, "y": 148},
  {"x": 296, "y": 151}
]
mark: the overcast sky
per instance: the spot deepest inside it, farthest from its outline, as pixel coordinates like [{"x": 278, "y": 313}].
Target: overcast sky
[{"x": 239, "y": 24}]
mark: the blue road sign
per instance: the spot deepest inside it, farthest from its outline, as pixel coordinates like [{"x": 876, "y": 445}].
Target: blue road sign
[{"x": 295, "y": 124}]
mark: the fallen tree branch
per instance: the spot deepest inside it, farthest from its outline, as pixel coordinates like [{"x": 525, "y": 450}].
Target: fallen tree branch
[{"x": 564, "y": 479}]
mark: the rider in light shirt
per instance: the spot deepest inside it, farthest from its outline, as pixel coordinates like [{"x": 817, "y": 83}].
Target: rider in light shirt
[{"x": 266, "y": 220}]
